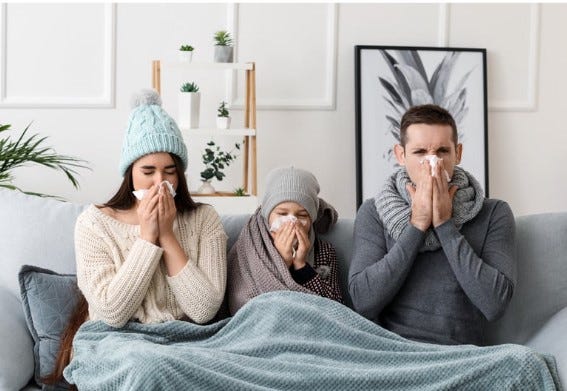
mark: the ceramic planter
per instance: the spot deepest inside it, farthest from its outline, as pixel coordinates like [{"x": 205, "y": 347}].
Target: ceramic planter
[
  {"x": 189, "y": 106},
  {"x": 224, "y": 53},
  {"x": 185, "y": 55},
  {"x": 206, "y": 188},
  {"x": 223, "y": 122}
]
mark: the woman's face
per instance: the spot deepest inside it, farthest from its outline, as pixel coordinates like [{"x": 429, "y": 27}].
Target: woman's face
[
  {"x": 291, "y": 208},
  {"x": 153, "y": 169}
]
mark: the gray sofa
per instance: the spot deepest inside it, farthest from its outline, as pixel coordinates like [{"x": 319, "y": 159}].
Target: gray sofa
[{"x": 39, "y": 231}]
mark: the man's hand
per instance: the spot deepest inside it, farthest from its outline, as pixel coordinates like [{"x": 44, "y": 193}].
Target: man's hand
[
  {"x": 422, "y": 198},
  {"x": 442, "y": 197}
]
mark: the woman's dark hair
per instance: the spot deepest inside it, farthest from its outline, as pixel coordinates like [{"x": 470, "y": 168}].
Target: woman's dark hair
[
  {"x": 124, "y": 199},
  {"x": 63, "y": 358}
]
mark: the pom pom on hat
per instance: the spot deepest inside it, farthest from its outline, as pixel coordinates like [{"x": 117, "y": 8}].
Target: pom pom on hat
[
  {"x": 150, "y": 130},
  {"x": 145, "y": 97}
]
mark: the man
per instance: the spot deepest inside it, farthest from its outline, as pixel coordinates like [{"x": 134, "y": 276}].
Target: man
[{"x": 433, "y": 259}]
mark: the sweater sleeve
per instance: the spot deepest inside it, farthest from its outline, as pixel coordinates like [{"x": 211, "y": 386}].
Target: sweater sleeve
[
  {"x": 376, "y": 274},
  {"x": 326, "y": 287},
  {"x": 199, "y": 287},
  {"x": 488, "y": 280},
  {"x": 114, "y": 294}
]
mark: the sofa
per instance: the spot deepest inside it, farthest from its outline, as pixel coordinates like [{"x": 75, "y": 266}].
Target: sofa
[{"x": 39, "y": 231}]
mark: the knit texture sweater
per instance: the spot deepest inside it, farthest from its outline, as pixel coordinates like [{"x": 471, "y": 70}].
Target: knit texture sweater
[
  {"x": 123, "y": 278},
  {"x": 444, "y": 296}
]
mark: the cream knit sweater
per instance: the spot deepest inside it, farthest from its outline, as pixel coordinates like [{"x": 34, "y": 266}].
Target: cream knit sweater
[{"x": 123, "y": 278}]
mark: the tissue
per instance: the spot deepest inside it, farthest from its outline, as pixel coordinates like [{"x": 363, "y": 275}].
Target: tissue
[
  {"x": 139, "y": 194},
  {"x": 433, "y": 159}
]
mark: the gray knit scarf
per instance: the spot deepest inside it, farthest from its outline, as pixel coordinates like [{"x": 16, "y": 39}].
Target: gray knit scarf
[
  {"x": 393, "y": 204},
  {"x": 254, "y": 264}
]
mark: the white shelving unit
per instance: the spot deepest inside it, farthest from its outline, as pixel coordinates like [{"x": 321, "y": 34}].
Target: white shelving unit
[{"x": 223, "y": 201}]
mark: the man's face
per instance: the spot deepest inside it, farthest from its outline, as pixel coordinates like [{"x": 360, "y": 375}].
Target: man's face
[{"x": 424, "y": 139}]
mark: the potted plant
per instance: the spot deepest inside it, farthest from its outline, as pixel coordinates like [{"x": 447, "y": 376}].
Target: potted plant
[
  {"x": 223, "y": 118},
  {"x": 239, "y": 192},
  {"x": 189, "y": 105},
  {"x": 25, "y": 150},
  {"x": 223, "y": 47},
  {"x": 215, "y": 161},
  {"x": 186, "y": 53}
]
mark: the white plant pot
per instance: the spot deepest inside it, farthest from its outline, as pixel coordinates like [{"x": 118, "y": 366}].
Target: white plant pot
[
  {"x": 206, "y": 188},
  {"x": 223, "y": 122},
  {"x": 224, "y": 53},
  {"x": 189, "y": 106},
  {"x": 185, "y": 56}
]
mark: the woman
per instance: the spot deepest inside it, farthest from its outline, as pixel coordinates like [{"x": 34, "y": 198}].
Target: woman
[
  {"x": 150, "y": 254},
  {"x": 278, "y": 249}
]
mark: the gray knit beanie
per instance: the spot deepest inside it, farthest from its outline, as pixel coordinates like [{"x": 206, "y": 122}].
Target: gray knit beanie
[
  {"x": 150, "y": 129},
  {"x": 291, "y": 184}
]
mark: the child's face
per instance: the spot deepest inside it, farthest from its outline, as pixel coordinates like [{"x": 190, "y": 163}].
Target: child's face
[{"x": 291, "y": 208}]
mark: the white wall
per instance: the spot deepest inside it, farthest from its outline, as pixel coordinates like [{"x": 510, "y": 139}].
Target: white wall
[{"x": 87, "y": 59}]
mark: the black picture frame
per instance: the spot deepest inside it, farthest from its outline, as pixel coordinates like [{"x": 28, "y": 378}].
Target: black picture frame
[{"x": 454, "y": 78}]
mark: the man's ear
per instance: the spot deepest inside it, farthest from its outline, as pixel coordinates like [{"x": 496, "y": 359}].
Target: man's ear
[
  {"x": 459, "y": 151},
  {"x": 400, "y": 153}
]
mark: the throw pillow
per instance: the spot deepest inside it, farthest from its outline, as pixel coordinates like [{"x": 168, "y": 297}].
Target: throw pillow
[{"x": 48, "y": 299}]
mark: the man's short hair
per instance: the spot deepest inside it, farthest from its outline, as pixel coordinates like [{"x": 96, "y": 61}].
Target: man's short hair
[{"x": 426, "y": 114}]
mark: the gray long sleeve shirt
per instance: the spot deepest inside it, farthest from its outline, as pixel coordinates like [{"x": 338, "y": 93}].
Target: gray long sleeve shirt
[{"x": 444, "y": 296}]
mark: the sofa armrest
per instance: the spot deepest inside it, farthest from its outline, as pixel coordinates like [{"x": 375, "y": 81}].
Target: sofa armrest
[
  {"x": 552, "y": 339},
  {"x": 16, "y": 345}
]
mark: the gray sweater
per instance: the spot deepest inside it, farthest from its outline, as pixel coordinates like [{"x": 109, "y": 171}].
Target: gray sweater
[{"x": 444, "y": 296}]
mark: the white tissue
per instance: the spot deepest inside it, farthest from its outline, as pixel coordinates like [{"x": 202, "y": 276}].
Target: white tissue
[
  {"x": 433, "y": 159},
  {"x": 139, "y": 194},
  {"x": 281, "y": 221}
]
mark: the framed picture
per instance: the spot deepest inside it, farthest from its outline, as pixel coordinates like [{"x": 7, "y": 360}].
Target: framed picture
[{"x": 391, "y": 79}]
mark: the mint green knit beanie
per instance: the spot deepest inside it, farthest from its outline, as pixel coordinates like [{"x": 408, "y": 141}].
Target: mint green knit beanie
[{"x": 150, "y": 129}]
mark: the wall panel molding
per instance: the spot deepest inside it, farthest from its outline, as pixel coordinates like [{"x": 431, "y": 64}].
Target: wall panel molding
[
  {"x": 328, "y": 99},
  {"x": 106, "y": 100},
  {"x": 529, "y": 103}
]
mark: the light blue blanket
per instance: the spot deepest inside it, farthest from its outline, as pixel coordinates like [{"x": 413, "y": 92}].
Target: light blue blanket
[{"x": 293, "y": 341}]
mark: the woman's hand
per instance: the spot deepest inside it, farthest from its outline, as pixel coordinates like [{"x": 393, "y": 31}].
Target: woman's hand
[
  {"x": 283, "y": 241},
  {"x": 147, "y": 212},
  {"x": 166, "y": 212}
]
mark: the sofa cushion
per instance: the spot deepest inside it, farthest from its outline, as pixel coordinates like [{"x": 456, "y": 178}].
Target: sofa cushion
[
  {"x": 48, "y": 299},
  {"x": 39, "y": 232},
  {"x": 16, "y": 353}
]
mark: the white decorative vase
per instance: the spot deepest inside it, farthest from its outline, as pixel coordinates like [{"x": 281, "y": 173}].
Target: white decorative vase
[
  {"x": 185, "y": 55},
  {"x": 223, "y": 53},
  {"x": 206, "y": 188},
  {"x": 189, "y": 106},
  {"x": 223, "y": 122}
]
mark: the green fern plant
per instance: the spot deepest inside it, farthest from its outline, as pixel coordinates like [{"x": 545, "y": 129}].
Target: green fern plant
[
  {"x": 411, "y": 86},
  {"x": 189, "y": 87},
  {"x": 222, "y": 38},
  {"x": 32, "y": 150}
]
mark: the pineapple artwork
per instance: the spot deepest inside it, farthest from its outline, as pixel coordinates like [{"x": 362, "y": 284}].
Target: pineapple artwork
[{"x": 409, "y": 85}]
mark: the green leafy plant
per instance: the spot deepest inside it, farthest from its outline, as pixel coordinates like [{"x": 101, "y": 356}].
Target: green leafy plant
[
  {"x": 239, "y": 192},
  {"x": 32, "y": 150},
  {"x": 222, "y": 111},
  {"x": 216, "y": 161},
  {"x": 189, "y": 87},
  {"x": 222, "y": 38},
  {"x": 186, "y": 48}
]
